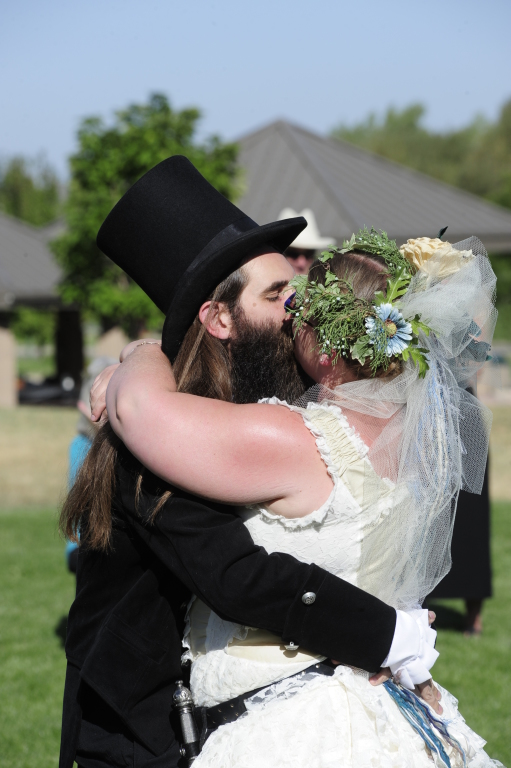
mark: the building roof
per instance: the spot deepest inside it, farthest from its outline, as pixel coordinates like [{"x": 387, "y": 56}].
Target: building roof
[
  {"x": 28, "y": 272},
  {"x": 348, "y": 188}
]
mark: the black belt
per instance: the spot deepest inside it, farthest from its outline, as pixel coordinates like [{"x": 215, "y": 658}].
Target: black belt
[
  {"x": 212, "y": 718},
  {"x": 198, "y": 723}
]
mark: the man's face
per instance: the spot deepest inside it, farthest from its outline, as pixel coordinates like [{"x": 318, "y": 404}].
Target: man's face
[
  {"x": 262, "y": 299},
  {"x": 261, "y": 344},
  {"x": 258, "y": 332}
]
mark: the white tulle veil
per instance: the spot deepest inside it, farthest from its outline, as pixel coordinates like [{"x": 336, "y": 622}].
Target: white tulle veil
[{"x": 428, "y": 436}]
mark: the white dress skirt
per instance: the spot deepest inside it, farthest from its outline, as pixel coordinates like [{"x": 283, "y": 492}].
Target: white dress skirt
[{"x": 309, "y": 720}]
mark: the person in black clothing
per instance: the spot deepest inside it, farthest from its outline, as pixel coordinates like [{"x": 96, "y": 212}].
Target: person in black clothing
[
  {"x": 144, "y": 546},
  {"x": 470, "y": 577}
]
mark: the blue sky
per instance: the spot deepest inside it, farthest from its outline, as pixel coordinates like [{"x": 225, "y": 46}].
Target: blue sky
[{"x": 244, "y": 64}]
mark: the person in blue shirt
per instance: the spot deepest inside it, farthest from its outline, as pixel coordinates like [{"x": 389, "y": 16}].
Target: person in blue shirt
[{"x": 82, "y": 441}]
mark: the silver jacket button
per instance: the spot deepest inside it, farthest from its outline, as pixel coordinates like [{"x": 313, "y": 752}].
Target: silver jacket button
[
  {"x": 308, "y": 598},
  {"x": 292, "y": 646}
]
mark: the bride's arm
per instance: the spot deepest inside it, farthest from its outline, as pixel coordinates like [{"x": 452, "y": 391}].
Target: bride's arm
[{"x": 233, "y": 453}]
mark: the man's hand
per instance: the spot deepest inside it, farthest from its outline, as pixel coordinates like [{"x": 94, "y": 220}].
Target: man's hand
[
  {"x": 427, "y": 690},
  {"x": 98, "y": 394},
  {"x": 381, "y": 677},
  {"x": 430, "y": 694}
]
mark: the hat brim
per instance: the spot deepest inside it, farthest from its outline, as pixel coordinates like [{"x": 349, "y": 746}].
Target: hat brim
[
  {"x": 312, "y": 245},
  {"x": 194, "y": 288}
]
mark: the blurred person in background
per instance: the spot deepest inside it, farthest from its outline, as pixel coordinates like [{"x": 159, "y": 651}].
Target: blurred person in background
[
  {"x": 303, "y": 250},
  {"x": 80, "y": 445},
  {"x": 470, "y": 577}
]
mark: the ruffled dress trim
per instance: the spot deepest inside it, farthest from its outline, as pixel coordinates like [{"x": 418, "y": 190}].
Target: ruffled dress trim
[{"x": 357, "y": 449}]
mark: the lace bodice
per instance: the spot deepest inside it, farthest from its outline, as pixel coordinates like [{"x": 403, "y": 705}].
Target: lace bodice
[{"x": 331, "y": 536}]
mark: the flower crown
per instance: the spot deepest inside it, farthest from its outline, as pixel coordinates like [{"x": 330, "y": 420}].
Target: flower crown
[{"x": 351, "y": 327}]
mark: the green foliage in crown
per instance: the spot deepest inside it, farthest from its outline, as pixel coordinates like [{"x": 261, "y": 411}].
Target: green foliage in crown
[
  {"x": 376, "y": 243},
  {"x": 354, "y": 328}
]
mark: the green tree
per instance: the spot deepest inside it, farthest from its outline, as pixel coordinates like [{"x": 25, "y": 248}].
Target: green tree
[
  {"x": 476, "y": 158},
  {"x": 33, "y": 325},
  {"x": 109, "y": 160},
  {"x": 29, "y": 190},
  {"x": 402, "y": 137},
  {"x": 488, "y": 168}
]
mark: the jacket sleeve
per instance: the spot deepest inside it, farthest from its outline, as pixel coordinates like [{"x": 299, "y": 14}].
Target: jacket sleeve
[{"x": 209, "y": 549}]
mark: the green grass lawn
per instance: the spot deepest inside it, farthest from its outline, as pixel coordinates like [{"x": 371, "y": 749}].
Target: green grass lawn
[
  {"x": 477, "y": 670},
  {"x": 36, "y": 592}
]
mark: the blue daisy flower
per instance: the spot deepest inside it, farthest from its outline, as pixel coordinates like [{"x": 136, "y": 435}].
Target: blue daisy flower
[{"x": 389, "y": 331}]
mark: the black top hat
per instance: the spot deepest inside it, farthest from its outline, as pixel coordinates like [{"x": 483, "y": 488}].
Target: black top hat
[{"x": 178, "y": 238}]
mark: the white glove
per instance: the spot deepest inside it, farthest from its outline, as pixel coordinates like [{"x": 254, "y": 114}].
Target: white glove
[{"x": 412, "y": 653}]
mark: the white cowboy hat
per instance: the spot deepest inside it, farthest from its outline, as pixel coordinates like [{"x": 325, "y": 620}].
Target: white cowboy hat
[{"x": 310, "y": 238}]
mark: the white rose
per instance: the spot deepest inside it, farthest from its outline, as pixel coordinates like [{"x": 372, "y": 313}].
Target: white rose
[{"x": 434, "y": 257}]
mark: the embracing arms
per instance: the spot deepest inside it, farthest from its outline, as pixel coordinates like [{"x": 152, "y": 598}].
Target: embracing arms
[
  {"x": 237, "y": 454},
  {"x": 266, "y": 446}
]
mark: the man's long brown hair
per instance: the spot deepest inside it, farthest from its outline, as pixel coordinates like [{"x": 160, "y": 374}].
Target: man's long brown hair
[{"x": 200, "y": 368}]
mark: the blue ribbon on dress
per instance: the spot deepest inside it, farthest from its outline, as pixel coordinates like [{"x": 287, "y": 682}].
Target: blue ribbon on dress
[{"x": 422, "y": 721}]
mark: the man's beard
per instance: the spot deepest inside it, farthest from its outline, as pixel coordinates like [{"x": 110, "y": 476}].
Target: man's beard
[{"x": 263, "y": 363}]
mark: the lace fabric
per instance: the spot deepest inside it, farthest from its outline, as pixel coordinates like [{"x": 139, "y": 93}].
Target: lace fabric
[{"x": 335, "y": 722}]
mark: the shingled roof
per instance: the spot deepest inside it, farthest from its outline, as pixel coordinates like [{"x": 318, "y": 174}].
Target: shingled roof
[
  {"x": 348, "y": 188},
  {"x": 28, "y": 272}
]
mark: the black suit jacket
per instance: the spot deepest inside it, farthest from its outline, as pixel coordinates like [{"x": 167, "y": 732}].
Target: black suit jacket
[{"x": 126, "y": 623}]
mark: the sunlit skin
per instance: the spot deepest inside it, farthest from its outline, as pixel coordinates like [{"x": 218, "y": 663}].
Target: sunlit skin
[{"x": 319, "y": 366}]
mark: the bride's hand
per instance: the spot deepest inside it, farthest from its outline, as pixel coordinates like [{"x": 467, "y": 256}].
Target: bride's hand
[
  {"x": 98, "y": 394},
  {"x": 129, "y": 348},
  {"x": 98, "y": 389}
]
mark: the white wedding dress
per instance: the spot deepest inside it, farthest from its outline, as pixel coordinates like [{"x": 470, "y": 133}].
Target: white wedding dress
[{"x": 313, "y": 721}]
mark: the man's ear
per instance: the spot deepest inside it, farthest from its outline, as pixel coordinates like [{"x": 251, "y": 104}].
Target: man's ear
[{"x": 217, "y": 319}]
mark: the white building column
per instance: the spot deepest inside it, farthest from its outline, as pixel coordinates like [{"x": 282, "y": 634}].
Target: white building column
[{"x": 8, "y": 378}]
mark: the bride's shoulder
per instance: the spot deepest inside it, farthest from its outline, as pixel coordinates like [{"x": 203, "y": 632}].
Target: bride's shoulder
[{"x": 329, "y": 425}]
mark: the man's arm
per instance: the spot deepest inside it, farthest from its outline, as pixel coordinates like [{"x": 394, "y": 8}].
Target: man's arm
[{"x": 210, "y": 550}]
